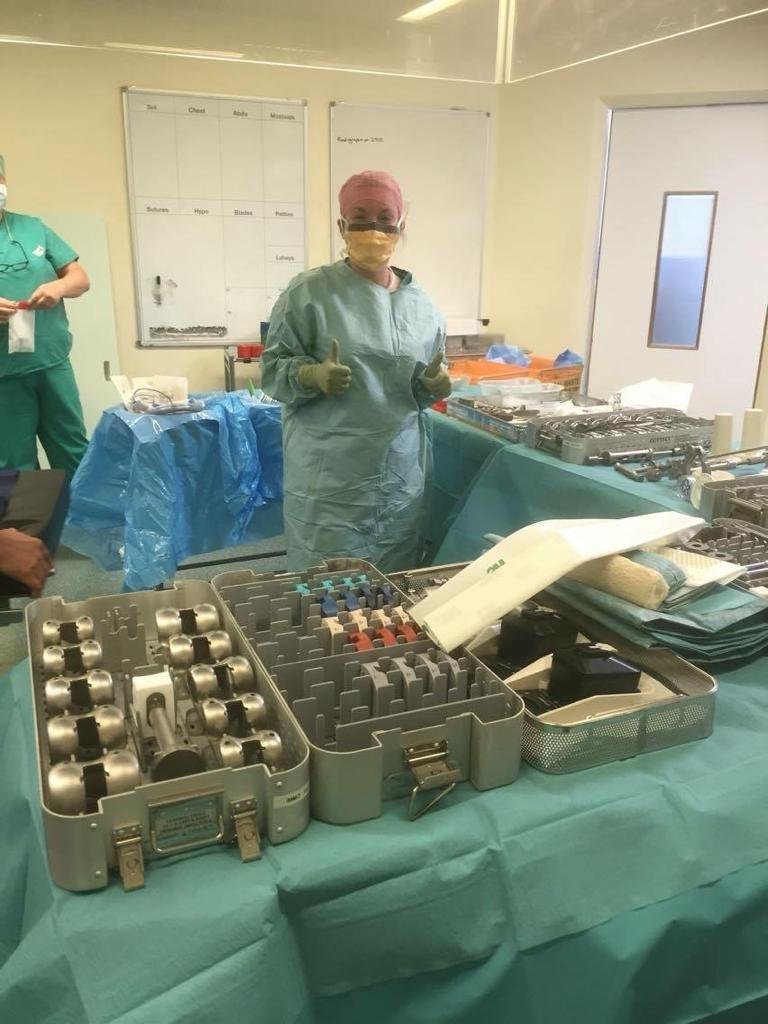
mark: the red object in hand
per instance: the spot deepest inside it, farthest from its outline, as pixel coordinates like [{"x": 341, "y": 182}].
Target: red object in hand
[
  {"x": 361, "y": 641},
  {"x": 23, "y": 304}
]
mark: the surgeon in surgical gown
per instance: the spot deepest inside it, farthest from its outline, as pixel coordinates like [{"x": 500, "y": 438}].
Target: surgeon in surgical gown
[{"x": 355, "y": 354}]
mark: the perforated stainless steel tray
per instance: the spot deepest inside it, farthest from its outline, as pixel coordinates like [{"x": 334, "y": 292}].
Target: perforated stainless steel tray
[
  {"x": 576, "y": 438},
  {"x": 559, "y": 749}
]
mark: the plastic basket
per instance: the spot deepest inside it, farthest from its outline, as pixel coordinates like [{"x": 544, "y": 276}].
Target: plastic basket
[
  {"x": 541, "y": 367},
  {"x": 475, "y": 370},
  {"x": 568, "y": 377}
]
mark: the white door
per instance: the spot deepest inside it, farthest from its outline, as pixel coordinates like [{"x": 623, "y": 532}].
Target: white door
[{"x": 682, "y": 285}]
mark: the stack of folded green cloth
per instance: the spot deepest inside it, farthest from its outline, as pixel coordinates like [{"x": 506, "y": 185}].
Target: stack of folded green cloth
[{"x": 723, "y": 625}]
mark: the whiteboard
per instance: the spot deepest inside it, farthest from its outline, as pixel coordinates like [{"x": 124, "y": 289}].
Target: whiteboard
[
  {"x": 217, "y": 191},
  {"x": 440, "y": 158}
]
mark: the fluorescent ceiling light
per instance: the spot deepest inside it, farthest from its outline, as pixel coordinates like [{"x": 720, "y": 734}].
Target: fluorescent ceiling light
[
  {"x": 513, "y": 80},
  {"x": 21, "y": 39},
  {"x": 173, "y": 49},
  {"x": 427, "y": 10}
]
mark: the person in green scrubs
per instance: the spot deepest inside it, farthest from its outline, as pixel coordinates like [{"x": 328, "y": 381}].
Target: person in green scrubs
[{"x": 38, "y": 393}]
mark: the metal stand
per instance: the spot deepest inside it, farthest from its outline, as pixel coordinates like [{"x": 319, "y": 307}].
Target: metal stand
[
  {"x": 212, "y": 562},
  {"x": 231, "y": 359},
  {"x": 231, "y": 561},
  {"x": 9, "y": 616}
]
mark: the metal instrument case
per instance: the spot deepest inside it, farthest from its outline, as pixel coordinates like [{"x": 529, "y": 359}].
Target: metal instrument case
[{"x": 157, "y": 819}]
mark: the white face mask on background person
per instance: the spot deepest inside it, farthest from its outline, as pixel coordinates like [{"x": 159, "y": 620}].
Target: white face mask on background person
[{"x": 3, "y": 197}]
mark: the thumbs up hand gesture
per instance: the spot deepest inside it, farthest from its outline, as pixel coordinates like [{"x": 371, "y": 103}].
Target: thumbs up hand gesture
[
  {"x": 436, "y": 380},
  {"x": 331, "y": 377}
]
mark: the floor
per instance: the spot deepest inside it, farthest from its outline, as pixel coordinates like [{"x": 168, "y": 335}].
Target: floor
[{"x": 78, "y": 578}]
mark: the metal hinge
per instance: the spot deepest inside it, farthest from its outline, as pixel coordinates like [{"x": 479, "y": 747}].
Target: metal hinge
[
  {"x": 246, "y": 829},
  {"x": 130, "y": 856},
  {"x": 432, "y": 768}
]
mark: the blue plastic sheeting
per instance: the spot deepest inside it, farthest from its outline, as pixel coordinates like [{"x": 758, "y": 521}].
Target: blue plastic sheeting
[
  {"x": 153, "y": 490},
  {"x": 632, "y": 893},
  {"x": 569, "y": 358},
  {"x": 719, "y": 628},
  {"x": 507, "y": 354}
]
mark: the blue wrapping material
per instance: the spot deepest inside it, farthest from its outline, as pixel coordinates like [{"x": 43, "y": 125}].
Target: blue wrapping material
[
  {"x": 484, "y": 485},
  {"x": 632, "y": 893},
  {"x": 568, "y": 358},
  {"x": 154, "y": 489},
  {"x": 723, "y": 626},
  {"x": 510, "y": 354}
]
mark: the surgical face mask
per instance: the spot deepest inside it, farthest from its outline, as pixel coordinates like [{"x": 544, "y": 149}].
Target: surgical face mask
[
  {"x": 370, "y": 245},
  {"x": 3, "y": 197}
]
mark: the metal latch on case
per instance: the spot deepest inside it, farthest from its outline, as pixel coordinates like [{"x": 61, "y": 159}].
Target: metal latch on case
[
  {"x": 130, "y": 856},
  {"x": 432, "y": 768},
  {"x": 246, "y": 829}
]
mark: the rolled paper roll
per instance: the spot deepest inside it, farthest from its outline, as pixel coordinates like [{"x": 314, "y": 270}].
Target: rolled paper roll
[
  {"x": 753, "y": 429},
  {"x": 722, "y": 433}
]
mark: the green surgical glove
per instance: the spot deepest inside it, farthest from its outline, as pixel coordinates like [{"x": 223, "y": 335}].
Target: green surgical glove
[
  {"x": 331, "y": 377},
  {"x": 436, "y": 380}
]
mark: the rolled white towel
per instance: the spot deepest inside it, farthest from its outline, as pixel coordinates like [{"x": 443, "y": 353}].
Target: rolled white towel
[{"x": 621, "y": 577}]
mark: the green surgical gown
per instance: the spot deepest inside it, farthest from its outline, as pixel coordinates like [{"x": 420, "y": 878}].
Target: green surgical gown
[
  {"x": 27, "y": 240},
  {"x": 355, "y": 464},
  {"x": 38, "y": 393}
]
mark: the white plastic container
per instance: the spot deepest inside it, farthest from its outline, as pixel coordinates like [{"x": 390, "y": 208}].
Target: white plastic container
[{"x": 524, "y": 392}]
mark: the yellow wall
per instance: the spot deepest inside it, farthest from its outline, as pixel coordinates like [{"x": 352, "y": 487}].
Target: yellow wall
[
  {"x": 62, "y": 136},
  {"x": 550, "y": 155}
]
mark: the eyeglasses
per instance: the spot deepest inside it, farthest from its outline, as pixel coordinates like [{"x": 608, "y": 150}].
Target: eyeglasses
[
  {"x": 21, "y": 264},
  {"x": 372, "y": 225}
]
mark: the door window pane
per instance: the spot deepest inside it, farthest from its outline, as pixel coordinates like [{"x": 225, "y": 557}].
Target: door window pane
[{"x": 682, "y": 264}]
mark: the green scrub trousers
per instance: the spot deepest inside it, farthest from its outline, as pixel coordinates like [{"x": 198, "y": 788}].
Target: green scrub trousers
[{"x": 42, "y": 404}]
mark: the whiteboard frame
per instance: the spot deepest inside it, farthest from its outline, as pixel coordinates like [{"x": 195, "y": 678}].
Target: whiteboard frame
[
  {"x": 126, "y": 91},
  {"x": 485, "y": 182}
]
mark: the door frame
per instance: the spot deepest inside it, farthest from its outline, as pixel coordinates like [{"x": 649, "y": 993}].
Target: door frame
[{"x": 605, "y": 115}]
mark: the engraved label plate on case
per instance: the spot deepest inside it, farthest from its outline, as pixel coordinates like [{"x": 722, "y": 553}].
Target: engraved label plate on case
[{"x": 178, "y": 825}]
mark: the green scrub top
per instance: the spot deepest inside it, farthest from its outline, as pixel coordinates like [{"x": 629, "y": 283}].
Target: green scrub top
[{"x": 47, "y": 254}]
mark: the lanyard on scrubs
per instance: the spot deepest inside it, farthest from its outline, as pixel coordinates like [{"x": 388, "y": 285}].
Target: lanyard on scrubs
[{"x": 24, "y": 263}]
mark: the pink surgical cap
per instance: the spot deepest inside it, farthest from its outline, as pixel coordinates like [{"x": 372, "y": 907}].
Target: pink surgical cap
[{"x": 371, "y": 186}]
